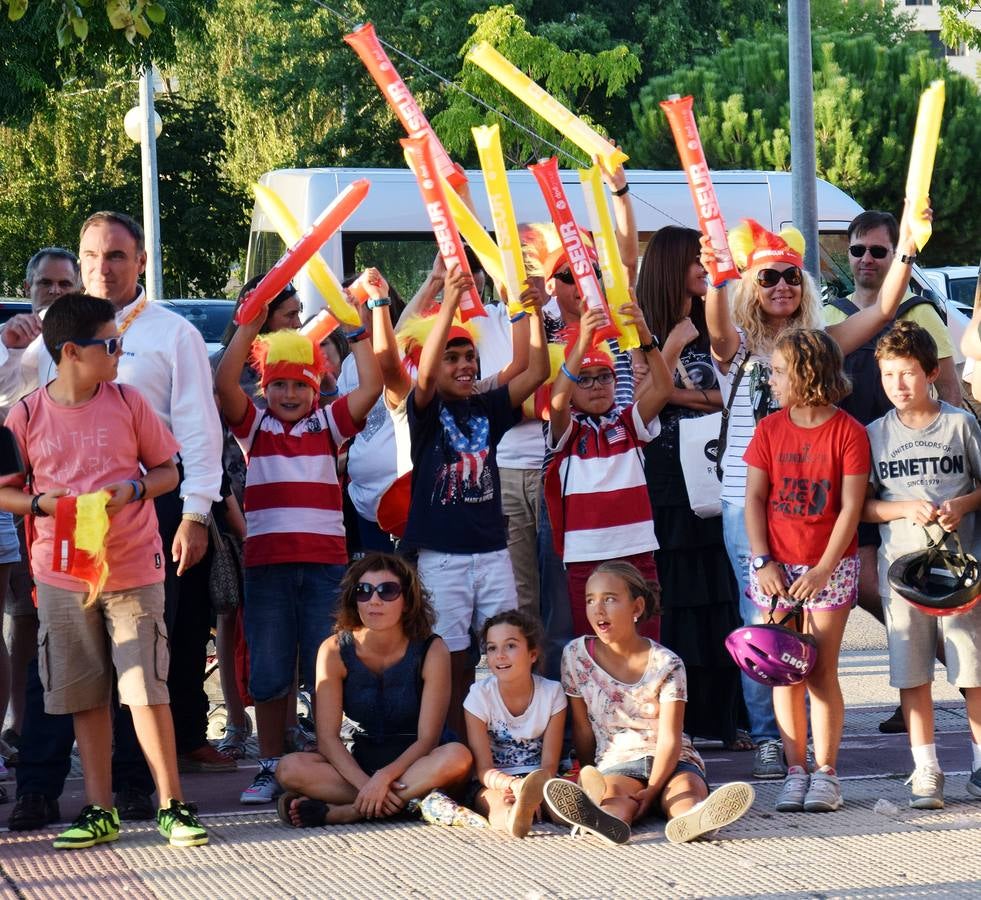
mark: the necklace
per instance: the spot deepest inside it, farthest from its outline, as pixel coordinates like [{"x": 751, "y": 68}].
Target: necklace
[{"x": 132, "y": 314}]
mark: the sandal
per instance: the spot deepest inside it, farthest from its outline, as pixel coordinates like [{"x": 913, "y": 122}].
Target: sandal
[
  {"x": 234, "y": 741},
  {"x": 299, "y": 740},
  {"x": 312, "y": 813},
  {"x": 741, "y": 743}
]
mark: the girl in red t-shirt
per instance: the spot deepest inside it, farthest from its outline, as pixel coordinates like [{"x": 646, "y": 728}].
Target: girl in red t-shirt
[{"x": 808, "y": 466}]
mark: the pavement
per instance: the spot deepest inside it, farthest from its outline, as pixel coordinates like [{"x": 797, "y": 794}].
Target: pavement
[{"x": 875, "y": 847}]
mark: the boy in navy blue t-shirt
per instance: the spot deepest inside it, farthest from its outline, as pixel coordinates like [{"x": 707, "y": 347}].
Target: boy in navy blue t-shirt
[{"x": 455, "y": 517}]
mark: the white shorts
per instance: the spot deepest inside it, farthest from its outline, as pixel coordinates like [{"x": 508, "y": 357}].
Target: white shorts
[
  {"x": 466, "y": 590},
  {"x": 912, "y": 637}
]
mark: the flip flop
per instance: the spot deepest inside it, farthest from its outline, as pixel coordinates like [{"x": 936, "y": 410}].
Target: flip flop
[
  {"x": 312, "y": 813},
  {"x": 741, "y": 743}
]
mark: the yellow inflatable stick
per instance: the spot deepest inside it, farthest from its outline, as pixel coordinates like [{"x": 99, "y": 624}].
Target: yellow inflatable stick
[
  {"x": 545, "y": 105},
  {"x": 320, "y": 274},
  {"x": 921, "y": 159},
  {"x": 605, "y": 241},
  {"x": 488, "y": 141}
]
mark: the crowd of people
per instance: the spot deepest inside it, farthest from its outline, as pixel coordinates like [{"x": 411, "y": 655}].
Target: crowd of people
[{"x": 419, "y": 491}]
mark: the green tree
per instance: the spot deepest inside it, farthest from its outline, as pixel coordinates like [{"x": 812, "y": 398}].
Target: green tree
[
  {"x": 865, "y": 105},
  {"x": 955, "y": 26},
  {"x": 73, "y": 158},
  {"x": 132, "y": 19},
  {"x": 571, "y": 77},
  {"x": 881, "y": 20}
]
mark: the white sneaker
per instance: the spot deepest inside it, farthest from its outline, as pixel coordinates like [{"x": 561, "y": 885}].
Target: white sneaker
[
  {"x": 927, "y": 791},
  {"x": 824, "y": 792},
  {"x": 722, "y": 807},
  {"x": 264, "y": 787},
  {"x": 794, "y": 790}
]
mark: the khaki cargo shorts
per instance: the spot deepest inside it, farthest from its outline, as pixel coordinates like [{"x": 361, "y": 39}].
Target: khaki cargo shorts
[{"x": 77, "y": 648}]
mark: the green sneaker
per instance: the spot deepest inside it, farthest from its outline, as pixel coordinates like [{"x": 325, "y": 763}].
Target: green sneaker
[
  {"x": 180, "y": 825},
  {"x": 94, "y": 825}
]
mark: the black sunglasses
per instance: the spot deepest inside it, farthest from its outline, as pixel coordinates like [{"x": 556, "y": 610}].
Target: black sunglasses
[
  {"x": 387, "y": 591},
  {"x": 769, "y": 278},
  {"x": 566, "y": 276},
  {"x": 877, "y": 251},
  {"x": 113, "y": 345}
]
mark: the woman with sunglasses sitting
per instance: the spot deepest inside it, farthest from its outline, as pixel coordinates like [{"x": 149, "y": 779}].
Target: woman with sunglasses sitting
[
  {"x": 385, "y": 670},
  {"x": 774, "y": 294}
]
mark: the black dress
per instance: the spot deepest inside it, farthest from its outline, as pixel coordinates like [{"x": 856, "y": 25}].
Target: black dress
[{"x": 699, "y": 593}]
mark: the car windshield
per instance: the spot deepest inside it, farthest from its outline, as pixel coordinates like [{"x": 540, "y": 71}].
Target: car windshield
[{"x": 209, "y": 317}]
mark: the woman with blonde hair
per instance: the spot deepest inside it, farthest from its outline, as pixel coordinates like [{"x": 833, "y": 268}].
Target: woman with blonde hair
[{"x": 773, "y": 294}]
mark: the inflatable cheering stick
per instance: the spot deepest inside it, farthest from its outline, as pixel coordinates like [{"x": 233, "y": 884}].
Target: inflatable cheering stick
[
  {"x": 546, "y": 173},
  {"x": 921, "y": 159},
  {"x": 419, "y": 153},
  {"x": 365, "y": 43},
  {"x": 320, "y": 274},
  {"x": 710, "y": 221},
  {"x": 293, "y": 259}
]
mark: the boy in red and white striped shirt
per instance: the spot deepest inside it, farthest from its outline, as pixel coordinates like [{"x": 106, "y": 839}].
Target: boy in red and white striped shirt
[
  {"x": 295, "y": 548},
  {"x": 595, "y": 487}
]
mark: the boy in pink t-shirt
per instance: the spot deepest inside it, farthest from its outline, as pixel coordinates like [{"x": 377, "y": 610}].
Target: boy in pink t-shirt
[{"x": 81, "y": 434}]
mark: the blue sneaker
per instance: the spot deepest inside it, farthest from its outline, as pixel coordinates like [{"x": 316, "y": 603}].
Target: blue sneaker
[{"x": 264, "y": 787}]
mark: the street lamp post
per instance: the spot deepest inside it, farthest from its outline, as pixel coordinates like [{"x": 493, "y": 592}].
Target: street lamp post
[
  {"x": 803, "y": 159},
  {"x": 145, "y": 127}
]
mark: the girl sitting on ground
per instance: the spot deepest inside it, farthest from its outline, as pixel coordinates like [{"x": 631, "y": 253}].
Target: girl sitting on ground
[
  {"x": 384, "y": 669},
  {"x": 515, "y": 720},
  {"x": 627, "y": 695}
]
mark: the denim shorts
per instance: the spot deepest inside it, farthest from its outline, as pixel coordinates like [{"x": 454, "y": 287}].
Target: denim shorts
[
  {"x": 288, "y": 612},
  {"x": 9, "y": 542},
  {"x": 640, "y": 769}
]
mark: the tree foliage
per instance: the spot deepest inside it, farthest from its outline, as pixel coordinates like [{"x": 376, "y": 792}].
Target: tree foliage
[
  {"x": 74, "y": 158},
  {"x": 956, "y": 26},
  {"x": 865, "y": 105},
  {"x": 131, "y": 18}
]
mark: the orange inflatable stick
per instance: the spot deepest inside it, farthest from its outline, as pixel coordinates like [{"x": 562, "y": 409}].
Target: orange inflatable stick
[
  {"x": 293, "y": 259},
  {"x": 322, "y": 325},
  {"x": 365, "y": 43},
  {"x": 710, "y": 221},
  {"x": 419, "y": 152},
  {"x": 546, "y": 173}
]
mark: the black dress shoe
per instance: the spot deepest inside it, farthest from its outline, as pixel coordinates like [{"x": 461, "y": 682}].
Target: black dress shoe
[
  {"x": 134, "y": 806},
  {"x": 33, "y": 811},
  {"x": 895, "y": 724}
]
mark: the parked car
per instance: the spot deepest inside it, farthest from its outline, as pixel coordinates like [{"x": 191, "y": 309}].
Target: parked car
[
  {"x": 208, "y": 315},
  {"x": 956, "y": 283}
]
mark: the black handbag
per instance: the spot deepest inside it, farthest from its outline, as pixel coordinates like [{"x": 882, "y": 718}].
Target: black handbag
[{"x": 225, "y": 577}]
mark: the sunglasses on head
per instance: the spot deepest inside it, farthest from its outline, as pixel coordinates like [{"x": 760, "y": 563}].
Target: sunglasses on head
[
  {"x": 113, "y": 345},
  {"x": 387, "y": 591},
  {"x": 566, "y": 276},
  {"x": 769, "y": 278},
  {"x": 877, "y": 250}
]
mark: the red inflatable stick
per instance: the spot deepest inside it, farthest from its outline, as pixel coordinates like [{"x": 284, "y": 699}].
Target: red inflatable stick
[
  {"x": 321, "y": 326},
  {"x": 365, "y": 43},
  {"x": 357, "y": 290},
  {"x": 710, "y": 221},
  {"x": 546, "y": 173},
  {"x": 294, "y": 259},
  {"x": 420, "y": 153}
]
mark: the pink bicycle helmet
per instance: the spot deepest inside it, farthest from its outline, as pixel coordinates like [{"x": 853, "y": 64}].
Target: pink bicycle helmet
[{"x": 772, "y": 654}]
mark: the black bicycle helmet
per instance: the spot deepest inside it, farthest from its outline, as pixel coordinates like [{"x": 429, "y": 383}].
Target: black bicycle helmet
[{"x": 938, "y": 580}]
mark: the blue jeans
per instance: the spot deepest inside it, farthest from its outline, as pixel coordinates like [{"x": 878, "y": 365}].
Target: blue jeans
[
  {"x": 287, "y": 606},
  {"x": 758, "y": 697}
]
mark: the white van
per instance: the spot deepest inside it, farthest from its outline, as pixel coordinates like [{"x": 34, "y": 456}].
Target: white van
[{"x": 391, "y": 230}]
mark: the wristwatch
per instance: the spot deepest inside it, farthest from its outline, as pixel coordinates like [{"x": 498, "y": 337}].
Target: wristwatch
[
  {"x": 200, "y": 518},
  {"x": 760, "y": 561},
  {"x": 907, "y": 260}
]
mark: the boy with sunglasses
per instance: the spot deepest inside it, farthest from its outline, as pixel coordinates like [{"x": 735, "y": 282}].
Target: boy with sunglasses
[
  {"x": 595, "y": 487},
  {"x": 79, "y": 435}
]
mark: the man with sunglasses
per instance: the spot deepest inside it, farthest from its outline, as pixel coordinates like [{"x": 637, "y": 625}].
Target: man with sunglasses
[
  {"x": 166, "y": 360},
  {"x": 873, "y": 238}
]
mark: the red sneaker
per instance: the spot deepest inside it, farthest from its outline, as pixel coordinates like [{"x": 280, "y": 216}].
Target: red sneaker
[{"x": 206, "y": 758}]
